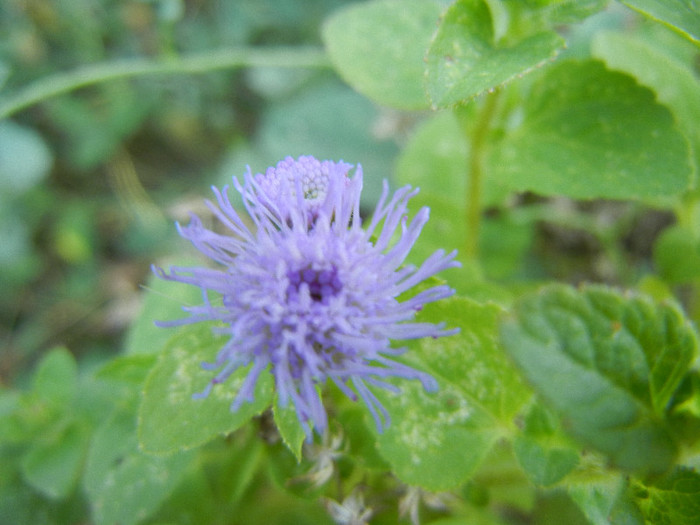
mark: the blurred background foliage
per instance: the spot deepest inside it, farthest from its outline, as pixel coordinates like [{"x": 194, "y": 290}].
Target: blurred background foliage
[{"x": 92, "y": 180}]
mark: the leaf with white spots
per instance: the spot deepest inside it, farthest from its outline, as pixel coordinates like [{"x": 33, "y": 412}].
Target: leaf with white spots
[
  {"x": 169, "y": 419},
  {"x": 437, "y": 440}
]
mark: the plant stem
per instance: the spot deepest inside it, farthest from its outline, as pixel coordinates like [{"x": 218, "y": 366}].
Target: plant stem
[
  {"x": 477, "y": 140},
  {"x": 199, "y": 63}
]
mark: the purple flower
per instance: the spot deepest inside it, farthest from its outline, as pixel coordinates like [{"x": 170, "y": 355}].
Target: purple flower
[{"x": 308, "y": 293}]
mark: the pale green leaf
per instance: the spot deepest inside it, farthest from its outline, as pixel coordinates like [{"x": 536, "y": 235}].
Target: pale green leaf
[
  {"x": 56, "y": 377},
  {"x": 526, "y": 17},
  {"x": 435, "y": 159},
  {"x": 673, "y": 268},
  {"x": 123, "y": 484},
  {"x": 588, "y": 132},
  {"x": 378, "y": 48},
  {"x": 544, "y": 465},
  {"x": 162, "y": 301},
  {"x": 53, "y": 462},
  {"x": 289, "y": 427},
  {"x": 680, "y": 15},
  {"x": 169, "y": 419},
  {"x": 675, "y": 82},
  {"x": 129, "y": 369},
  {"x": 606, "y": 502},
  {"x": 25, "y": 159},
  {"x": 543, "y": 453},
  {"x": 464, "y": 59}
]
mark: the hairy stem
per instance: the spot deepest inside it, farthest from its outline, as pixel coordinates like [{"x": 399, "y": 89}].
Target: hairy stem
[{"x": 60, "y": 83}]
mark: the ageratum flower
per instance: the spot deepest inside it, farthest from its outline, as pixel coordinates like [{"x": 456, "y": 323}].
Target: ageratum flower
[{"x": 307, "y": 292}]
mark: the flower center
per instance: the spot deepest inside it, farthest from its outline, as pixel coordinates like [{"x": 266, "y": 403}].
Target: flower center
[{"x": 323, "y": 284}]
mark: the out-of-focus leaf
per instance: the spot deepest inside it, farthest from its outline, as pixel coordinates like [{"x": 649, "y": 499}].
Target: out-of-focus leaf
[
  {"x": 162, "y": 301},
  {"x": 129, "y": 369},
  {"x": 671, "y": 266},
  {"x": 378, "y": 48},
  {"x": 607, "y": 502},
  {"x": 53, "y": 462},
  {"x": 545, "y": 455},
  {"x": 123, "y": 484},
  {"x": 25, "y": 159},
  {"x": 56, "y": 378},
  {"x": 680, "y": 15}
]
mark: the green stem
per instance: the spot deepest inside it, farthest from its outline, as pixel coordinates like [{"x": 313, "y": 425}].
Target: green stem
[
  {"x": 477, "y": 140},
  {"x": 60, "y": 83}
]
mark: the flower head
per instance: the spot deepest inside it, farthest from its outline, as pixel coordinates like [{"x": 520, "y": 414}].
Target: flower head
[{"x": 307, "y": 292}]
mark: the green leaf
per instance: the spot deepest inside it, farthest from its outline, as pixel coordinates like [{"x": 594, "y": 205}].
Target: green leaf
[
  {"x": 125, "y": 485},
  {"x": 10, "y": 428},
  {"x": 464, "y": 59},
  {"x": 588, "y": 132},
  {"x": 162, "y": 301},
  {"x": 607, "y": 502},
  {"x": 56, "y": 377},
  {"x": 169, "y": 419},
  {"x": 130, "y": 369},
  {"x": 544, "y": 465},
  {"x": 557, "y": 12},
  {"x": 437, "y": 440},
  {"x": 673, "y": 241},
  {"x": 378, "y": 48},
  {"x": 289, "y": 427},
  {"x": 675, "y": 500},
  {"x": 653, "y": 65},
  {"x": 53, "y": 462},
  {"x": 25, "y": 159},
  {"x": 503, "y": 244},
  {"x": 543, "y": 453},
  {"x": 435, "y": 159},
  {"x": 527, "y": 17},
  {"x": 608, "y": 365},
  {"x": 680, "y": 15},
  {"x": 362, "y": 442}
]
